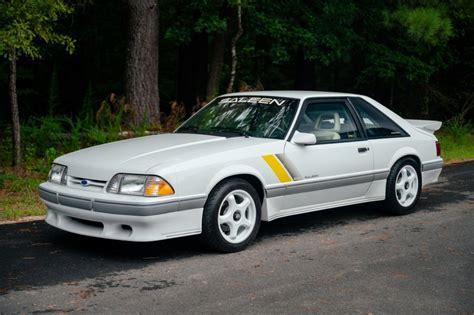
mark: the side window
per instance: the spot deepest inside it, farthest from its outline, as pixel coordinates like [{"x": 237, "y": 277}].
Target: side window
[
  {"x": 377, "y": 124},
  {"x": 329, "y": 122}
]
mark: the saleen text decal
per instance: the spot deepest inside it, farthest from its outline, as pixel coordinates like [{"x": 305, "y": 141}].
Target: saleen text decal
[{"x": 260, "y": 100}]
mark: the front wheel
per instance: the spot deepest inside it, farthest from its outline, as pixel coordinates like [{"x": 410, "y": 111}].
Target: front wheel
[
  {"x": 231, "y": 217},
  {"x": 403, "y": 187}
]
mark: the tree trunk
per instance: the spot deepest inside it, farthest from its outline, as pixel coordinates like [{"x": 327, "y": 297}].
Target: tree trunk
[
  {"x": 14, "y": 110},
  {"x": 215, "y": 67},
  {"x": 141, "y": 74},
  {"x": 234, "y": 47}
]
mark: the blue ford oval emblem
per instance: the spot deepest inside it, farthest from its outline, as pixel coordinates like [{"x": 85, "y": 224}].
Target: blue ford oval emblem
[{"x": 84, "y": 182}]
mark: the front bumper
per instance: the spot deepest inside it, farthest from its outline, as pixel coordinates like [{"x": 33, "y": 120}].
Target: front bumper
[{"x": 87, "y": 214}]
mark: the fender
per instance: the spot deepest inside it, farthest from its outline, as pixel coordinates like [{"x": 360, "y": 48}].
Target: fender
[
  {"x": 402, "y": 152},
  {"x": 233, "y": 170}
]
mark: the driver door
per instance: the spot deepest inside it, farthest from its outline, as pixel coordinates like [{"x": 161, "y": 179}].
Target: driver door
[{"x": 338, "y": 168}]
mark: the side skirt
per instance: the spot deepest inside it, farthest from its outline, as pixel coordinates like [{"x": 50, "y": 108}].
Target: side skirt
[{"x": 324, "y": 206}]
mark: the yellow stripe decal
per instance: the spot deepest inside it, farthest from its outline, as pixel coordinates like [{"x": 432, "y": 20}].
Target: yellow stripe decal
[{"x": 277, "y": 168}]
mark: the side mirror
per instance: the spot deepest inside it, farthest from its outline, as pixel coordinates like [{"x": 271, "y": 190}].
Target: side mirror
[{"x": 303, "y": 138}]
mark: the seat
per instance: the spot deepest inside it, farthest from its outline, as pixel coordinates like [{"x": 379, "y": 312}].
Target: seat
[{"x": 327, "y": 126}]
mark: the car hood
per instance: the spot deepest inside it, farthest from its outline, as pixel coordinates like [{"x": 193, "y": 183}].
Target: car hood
[{"x": 138, "y": 155}]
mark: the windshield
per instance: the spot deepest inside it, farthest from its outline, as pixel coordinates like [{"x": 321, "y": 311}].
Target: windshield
[{"x": 263, "y": 117}]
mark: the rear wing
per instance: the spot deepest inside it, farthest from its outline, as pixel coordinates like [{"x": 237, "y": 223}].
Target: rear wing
[{"x": 427, "y": 125}]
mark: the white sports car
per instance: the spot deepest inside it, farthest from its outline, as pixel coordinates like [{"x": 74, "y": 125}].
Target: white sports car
[{"x": 242, "y": 159}]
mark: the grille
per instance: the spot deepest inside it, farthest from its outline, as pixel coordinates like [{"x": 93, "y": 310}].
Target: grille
[{"x": 92, "y": 184}]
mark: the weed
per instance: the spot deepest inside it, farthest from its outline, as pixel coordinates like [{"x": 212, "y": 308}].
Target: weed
[{"x": 458, "y": 128}]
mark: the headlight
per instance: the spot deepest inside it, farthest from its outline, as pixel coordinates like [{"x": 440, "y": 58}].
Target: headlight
[
  {"x": 58, "y": 174},
  {"x": 139, "y": 185}
]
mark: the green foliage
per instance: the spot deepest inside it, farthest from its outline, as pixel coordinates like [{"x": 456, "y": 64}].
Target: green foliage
[
  {"x": 458, "y": 128},
  {"x": 378, "y": 48},
  {"x": 25, "y": 23},
  {"x": 425, "y": 24},
  {"x": 87, "y": 108},
  {"x": 388, "y": 64},
  {"x": 404, "y": 45},
  {"x": 208, "y": 19},
  {"x": 75, "y": 132},
  {"x": 42, "y": 133},
  {"x": 308, "y": 25},
  {"x": 45, "y": 138},
  {"x": 48, "y": 137}
]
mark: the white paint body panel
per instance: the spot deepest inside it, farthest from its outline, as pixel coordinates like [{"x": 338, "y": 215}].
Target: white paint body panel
[
  {"x": 194, "y": 164},
  {"x": 316, "y": 162}
]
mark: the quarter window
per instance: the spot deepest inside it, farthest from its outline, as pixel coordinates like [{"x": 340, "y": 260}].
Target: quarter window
[
  {"x": 329, "y": 122},
  {"x": 376, "y": 123}
]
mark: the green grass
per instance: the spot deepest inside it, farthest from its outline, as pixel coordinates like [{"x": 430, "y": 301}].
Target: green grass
[
  {"x": 18, "y": 194},
  {"x": 457, "y": 139},
  {"x": 456, "y": 149}
]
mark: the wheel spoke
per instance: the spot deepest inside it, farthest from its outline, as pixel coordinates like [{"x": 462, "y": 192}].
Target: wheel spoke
[
  {"x": 226, "y": 217},
  {"x": 246, "y": 223},
  {"x": 243, "y": 205},
  {"x": 404, "y": 174},
  {"x": 413, "y": 187},
  {"x": 233, "y": 229},
  {"x": 399, "y": 186},
  {"x": 403, "y": 196},
  {"x": 232, "y": 203}
]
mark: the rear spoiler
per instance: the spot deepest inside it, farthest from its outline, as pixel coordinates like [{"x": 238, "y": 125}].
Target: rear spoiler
[{"x": 427, "y": 125}]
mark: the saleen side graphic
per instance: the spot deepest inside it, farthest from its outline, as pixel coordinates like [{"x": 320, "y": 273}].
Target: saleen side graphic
[{"x": 242, "y": 159}]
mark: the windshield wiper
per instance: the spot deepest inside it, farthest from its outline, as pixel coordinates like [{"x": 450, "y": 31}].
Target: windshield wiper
[
  {"x": 230, "y": 130},
  {"x": 213, "y": 130}
]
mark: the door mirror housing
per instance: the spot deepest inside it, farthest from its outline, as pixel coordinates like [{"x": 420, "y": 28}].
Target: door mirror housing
[{"x": 303, "y": 138}]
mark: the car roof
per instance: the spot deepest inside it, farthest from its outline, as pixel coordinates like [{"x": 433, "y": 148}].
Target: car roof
[{"x": 292, "y": 94}]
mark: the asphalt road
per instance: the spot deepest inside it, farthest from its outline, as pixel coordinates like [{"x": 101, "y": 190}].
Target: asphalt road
[{"x": 346, "y": 260}]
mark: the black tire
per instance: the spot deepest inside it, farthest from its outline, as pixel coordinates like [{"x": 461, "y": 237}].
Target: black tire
[
  {"x": 211, "y": 235},
  {"x": 391, "y": 203}
]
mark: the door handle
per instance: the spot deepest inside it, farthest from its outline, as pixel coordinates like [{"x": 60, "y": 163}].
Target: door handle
[{"x": 362, "y": 150}]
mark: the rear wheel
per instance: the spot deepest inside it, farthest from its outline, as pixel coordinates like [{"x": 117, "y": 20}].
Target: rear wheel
[
  {"x": 403, "y": 187},
  {"x": 231, "y": 217}
]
